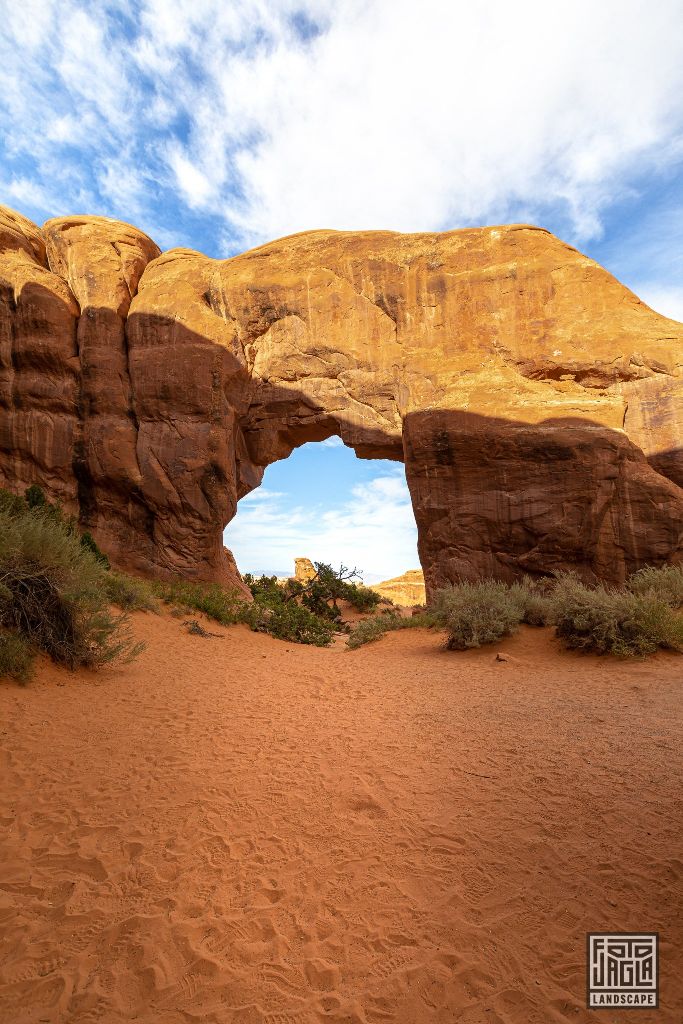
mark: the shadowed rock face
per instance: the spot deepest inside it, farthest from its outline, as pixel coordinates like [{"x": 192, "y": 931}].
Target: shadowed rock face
[
  {"x": 516, "y": 498},
  {"x": 536, "y": 402}
]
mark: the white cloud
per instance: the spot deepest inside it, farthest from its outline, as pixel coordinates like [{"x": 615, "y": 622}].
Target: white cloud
[
  {"x": 388, "y": 115},
  {"x": 119, "y": 181},
  {"x": 195, "y": 186},
  {"x": 24, "y": 191},
  {"x": 374, "y": 530},
  {"x": 64, "y": 129},
  {"x": 421, "y": 116}
]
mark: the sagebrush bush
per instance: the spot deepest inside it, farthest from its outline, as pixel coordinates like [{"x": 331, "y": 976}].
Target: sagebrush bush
[
  {"x": 130, "y": 593},
  {"x": 478, "y": 613},
  {"x": 534, "y": 598},
  {"x": 665, "y": 583},
  {"x": 35, "y": 500},
  {"x": 12, "y": 504},
  {"x": 367, "y": 630},
  {"x": 224, "y": 605},
  {"x": 52, "y": 591},
  {"x": 16, "y": 657},
  {"x": 619, "y": 622}
]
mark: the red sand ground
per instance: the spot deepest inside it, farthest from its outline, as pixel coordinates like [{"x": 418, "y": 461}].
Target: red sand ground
[{"x": 243, "y": 830}]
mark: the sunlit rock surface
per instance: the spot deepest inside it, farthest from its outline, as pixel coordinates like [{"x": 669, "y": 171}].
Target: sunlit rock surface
[{"x": 405, "y": 590}]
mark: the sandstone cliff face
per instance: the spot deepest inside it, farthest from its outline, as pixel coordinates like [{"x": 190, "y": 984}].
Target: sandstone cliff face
[
  {"x": 101, "y": 261},
  {"x": 535, "y": 401},
  {"x": 39, "y": 365},
  {"x": 515, "y": 498}
]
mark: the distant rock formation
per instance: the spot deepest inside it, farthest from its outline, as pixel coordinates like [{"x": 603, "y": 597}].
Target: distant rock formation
[
  {"x": 405, "y": 591},
  {"x": 304, "y": 570},
  {"x": 535, "y": 401}
]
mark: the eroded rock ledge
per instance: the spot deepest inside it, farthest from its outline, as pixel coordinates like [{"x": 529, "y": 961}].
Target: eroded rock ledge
[{"x": 536, "y": 402}]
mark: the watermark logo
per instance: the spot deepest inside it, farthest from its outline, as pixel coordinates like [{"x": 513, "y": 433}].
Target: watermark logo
[{"x": 623, "y": 970}]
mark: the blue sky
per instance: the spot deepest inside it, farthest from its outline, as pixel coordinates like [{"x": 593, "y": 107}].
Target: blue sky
[
  {"x": 325, "y": 504},
  {"x": 220, "y": 124}
]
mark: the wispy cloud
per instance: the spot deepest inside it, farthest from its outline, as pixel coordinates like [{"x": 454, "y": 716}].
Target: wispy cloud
[
  {"x": 374, "y": 529},
  {"x": 243, "y": 121}
]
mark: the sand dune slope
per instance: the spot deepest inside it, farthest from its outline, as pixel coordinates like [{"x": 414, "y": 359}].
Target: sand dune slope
[{"x": 239, "y": 830}]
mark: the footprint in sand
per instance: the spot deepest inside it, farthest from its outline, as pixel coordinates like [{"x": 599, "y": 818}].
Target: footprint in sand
[
  {"x": 30, "y": 995},
  {"x": 321, "y": 975}
]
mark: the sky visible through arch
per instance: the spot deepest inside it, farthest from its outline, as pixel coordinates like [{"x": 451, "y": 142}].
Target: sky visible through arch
[
  {"x": 325, "y": 504},
  {"x": 220, "y": 124}
]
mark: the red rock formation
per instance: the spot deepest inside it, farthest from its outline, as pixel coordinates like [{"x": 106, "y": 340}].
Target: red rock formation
[
  {"x": 497, "y": 498},
  {"x": 102, "y": 261},
  {"x": 39, "y": 366},
  {"x": 536, "y": 401}
]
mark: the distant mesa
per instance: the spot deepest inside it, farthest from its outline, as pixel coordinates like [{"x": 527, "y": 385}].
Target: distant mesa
[
  {"x": 536, "y": 402},
  {"x": 406, "y": 590}
]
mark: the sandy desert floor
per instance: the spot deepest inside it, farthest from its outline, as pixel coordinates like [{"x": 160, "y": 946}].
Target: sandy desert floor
[{"x": 242, "y": 830}]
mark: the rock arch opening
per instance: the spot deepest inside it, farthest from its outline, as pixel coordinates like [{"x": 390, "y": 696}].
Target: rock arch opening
[{"x": 324, "y": 503}]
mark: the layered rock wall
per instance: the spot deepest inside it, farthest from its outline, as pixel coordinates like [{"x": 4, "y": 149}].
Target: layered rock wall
[{"x": 535, "y": 401}]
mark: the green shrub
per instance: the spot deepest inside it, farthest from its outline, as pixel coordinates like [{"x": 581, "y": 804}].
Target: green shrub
[
  {"x": 368, "y": 630},
  {"x": 16, "y": 657},
  {"x": 219, "y": 603},
  {"x": 289, "y": 621},
  {"x": 535, "y": 600},
  {"x": 665, "y": 583},
  {"x": 276, "y": 610},
  {"x": 12, "y": 504},
  {"x": 320, "y": 594},
  {"x": 35, "y": 497},
  {"x": 35, "y": 500},
  {"x": 305, "y": 612},
  {"x": 89, "y": 543},
  {"x": 129, "y": 593},
  {"x": 614, "y": 622},
  {"x": 478, "y": 613},
  {"x": 52, "y": 592},
  {"x": 270, "y": 612},
  {"x": 361, "y": 598},
  {"x": 269, "y": 591}
]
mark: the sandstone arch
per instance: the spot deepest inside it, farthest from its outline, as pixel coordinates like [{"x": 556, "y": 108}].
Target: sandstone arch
[{"x": 535, "y": 401}]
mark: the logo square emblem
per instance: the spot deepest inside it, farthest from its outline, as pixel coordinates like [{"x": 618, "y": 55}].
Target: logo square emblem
[{"x": 622, "y": 970}]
